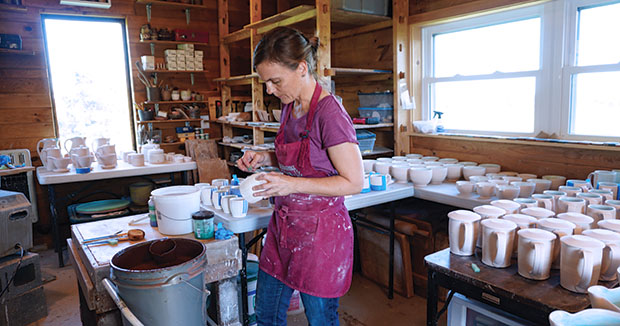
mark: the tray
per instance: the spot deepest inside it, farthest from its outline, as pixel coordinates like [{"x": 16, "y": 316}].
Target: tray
[{"x": 102, "y": 206}]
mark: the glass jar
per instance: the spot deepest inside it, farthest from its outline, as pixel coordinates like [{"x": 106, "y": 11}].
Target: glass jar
[{"x": 202, "y": 222}]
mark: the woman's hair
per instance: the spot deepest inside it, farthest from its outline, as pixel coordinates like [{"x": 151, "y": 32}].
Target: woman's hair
[{"x": 287, "y": 46}]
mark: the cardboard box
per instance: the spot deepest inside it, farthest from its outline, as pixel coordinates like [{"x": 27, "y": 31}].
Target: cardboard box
[
  {"x": 171, "y": 59},
  {"x": 181, "y": 65},
  {"x": 189, "y": 59},
  {"x": 198, "y": 66},
  {"x": 187, "y": 46},
  {"x": 198, "y": 53},
  {"x": 189, "y": 66},
  {"x": 148, "y": 62},
  {"x": 181, "y": 58},
  {"x": 170, "y": 52},
  {"x": 172, "y": 65}
]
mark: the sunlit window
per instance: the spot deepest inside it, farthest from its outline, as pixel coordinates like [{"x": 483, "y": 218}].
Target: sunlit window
[{"x": 88, "y": 69}]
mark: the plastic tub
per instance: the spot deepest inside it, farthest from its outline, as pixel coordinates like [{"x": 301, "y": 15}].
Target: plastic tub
[
  {"x": 366, "y": 140},
  {"x": 174, "y": 207},
  {"x": 384, "y": 114},
  {"x": 376, "y": 99}
]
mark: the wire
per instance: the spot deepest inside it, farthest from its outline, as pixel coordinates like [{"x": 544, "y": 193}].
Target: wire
[{"x": 21, "y": 257}]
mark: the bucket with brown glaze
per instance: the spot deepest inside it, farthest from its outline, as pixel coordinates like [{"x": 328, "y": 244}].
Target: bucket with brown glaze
[{"x": 168, "y": 292}]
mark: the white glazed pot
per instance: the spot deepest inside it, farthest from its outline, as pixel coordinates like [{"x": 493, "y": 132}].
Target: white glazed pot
[
  {"x": 581, "y": 259},
  {"x": 535, "y": 253},
  {"x": 497, "y": 242},
  {"x": 463, "y": 230}
]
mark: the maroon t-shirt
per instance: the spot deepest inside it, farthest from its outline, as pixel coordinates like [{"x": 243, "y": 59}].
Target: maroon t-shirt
[{"x": 331, "y": 126}]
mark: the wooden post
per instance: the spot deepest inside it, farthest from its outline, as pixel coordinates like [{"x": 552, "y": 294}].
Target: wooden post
[
  {"x": 323, "y": 30},
  {"x": 257, "y": 88},
  {"x": 402, "y": 118}
]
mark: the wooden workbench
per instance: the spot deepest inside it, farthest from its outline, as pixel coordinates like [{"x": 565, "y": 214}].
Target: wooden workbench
[{"x": 92, "y": 265}]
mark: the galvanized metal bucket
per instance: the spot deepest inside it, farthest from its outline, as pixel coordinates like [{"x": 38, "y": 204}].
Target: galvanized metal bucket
[{"x": 172, "y": 295}]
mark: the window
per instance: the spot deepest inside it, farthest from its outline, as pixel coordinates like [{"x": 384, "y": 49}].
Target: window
[
  {"x": 89, "y": 76},
  {"x": 494, "y": 74}
]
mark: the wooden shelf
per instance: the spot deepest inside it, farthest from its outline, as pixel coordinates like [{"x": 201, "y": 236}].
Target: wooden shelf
[
  {"x": 171, "y": 144},
  {"x": 235, "y": 125},
  {"x": 7, "y": 172},
  {"x": 16, "y": 52},
  {"x": 87, "y": 3},
  {"x": 355, "y": 71},
  {"x": 168, "y": 121},
  {"x": 237, "y": 80},
  {"x": 173, "y": 71},
  {"x": 379, "y": 151},
  {"x": 174, "y": 102},
  {"x": 285, "y": 18},
  {"x": 235, "y": 145},
  {"x": 172, "y": 42},
  {"x": 356, "y": 18},
  {"x": 171, "y": 4},
  {"x": 379, "y": 125},
  {"x": 235, "y": 36},
  {"x": 8, "y": 7}
]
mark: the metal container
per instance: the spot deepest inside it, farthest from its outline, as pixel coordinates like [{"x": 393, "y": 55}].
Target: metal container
[{"x": 172, "y": 295}]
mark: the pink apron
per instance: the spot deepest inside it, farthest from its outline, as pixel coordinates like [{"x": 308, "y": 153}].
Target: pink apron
[{"x": 309, "y": 244}]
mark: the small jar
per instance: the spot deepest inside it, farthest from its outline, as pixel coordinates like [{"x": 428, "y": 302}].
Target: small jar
[{"x": 202, "y": 222}]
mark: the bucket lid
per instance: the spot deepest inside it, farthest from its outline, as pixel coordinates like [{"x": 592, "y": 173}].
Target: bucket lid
[{"x": 202, "y": 215}]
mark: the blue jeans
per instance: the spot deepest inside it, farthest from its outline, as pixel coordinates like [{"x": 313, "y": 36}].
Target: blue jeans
[{"x": 273, "y": 298}]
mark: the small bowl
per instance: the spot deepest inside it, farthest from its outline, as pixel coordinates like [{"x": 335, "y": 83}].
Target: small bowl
[
  {"x": 465, "y": 187},
  {"x": 541, "y": 185},
  {"x": 491, "y": 167},
  {"x": 469, "y": 171}
]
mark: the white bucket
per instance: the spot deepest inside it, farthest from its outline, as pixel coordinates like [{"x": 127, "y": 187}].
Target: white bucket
[{"x": 174, "y": 207}]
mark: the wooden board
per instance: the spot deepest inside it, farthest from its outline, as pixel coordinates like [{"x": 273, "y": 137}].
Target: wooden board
[{"x": 209, "y": 169}]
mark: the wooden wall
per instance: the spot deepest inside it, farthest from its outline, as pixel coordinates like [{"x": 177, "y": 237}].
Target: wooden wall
[{"x": 26, "y": 113}]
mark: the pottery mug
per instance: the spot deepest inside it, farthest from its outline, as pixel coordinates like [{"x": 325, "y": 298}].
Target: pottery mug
[
  {"x": 509, "y": 206},
  {"x": 238, "y": 207},
  {"x": 61, "y": 163},
  {"x": 583, "y": 184},
  {"x": 369, "y": 165},
  {"x": 523, "y": 222},
  {"x": 611, "y": 252},
  {"x": 135, "y": 159},
  {"x": 366, "y": 187},
  {"x": 582, "y": 222},
  {"x": 544, "y": 201},
  {"x": 591, "y": 198},
  {"x": 607, "y": 194},
  {"x": 601, "y": 176},
  {"x": 581, "y": 258},
  {"x": 571, "y": 204},
  {"x": 535, "y": 253},
  {"x": 51, "y": 152},
  {"x": 560, "y": 228},
  {"x": 601, "y": 212},
  {"x": 216, "y": 198},
  {"x": 570, "y": 190},
  {"x": 463, "y": 230},
  {"x": 556, "y": 195},
  {"x": 487, "y": 212},
  {"x": 497, "y": 242},
  {"x": 225, "y": 203},
  {"x": 75, "y": 142},
  {"x": 610, "y": 186},
  {"x": 382, "y": 167},
  {"x": 615, "y": 204},
  {"x": 219, "y": 182},
  {"x": 205, "y": 194},
  {"x": 379, "y": 182},
  {"x": 525, "y": 203}
]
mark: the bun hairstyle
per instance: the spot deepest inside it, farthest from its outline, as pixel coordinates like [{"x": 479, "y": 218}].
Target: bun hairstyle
[{"x": 289, "y": 47}]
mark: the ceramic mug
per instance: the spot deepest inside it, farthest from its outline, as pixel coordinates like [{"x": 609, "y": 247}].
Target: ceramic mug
[
  {"x": 106, "y": 160},
  {"x": 560, "y": 228},
  {"x": 75, "y": 142},
  {"x": 206, "y": 192},
  {"x": 538, "y": 212},
  {"x": 611, "y": 252},
  {"x": 570, "y": 190},
  {"x": 556, "y": 195},
  {"x": 583, "y": 184},
  {"x": 571, "y": 204},
  {"x": 126, "y": 155},
  {"x": 219, "y": 182},
  {"x": 366, "y": 187},
  {"x": 583, "y": 222},
  {"x": 369, "y": 165},
  {"x": 535, "y": 250},
  {"x": 544, "y": 201},
  {"x": 615, "y": 204},
  {"x": 487, "y": 212},
  {"x": 611, "y": 225},
  {"x": 216, "y": 198},
  {"x": 379, "y": 182},
  {"x": 601, "y": 212},
  {"x": 238, "y": 207},
  {"x": 581, "y": 258},
  {"x": 601, "y": 176},
  {"x": 225, "y": 203},
  {"x": 523, "y": 222},
  {"x": 609, "y": 186},
  {"x": 591, "y": 198},
  {"x": 525, "y": 203},
  {"x": 51, "y": 152},
  {"x": 61, "y": 164},
  {"x": 509, "y": 206},
  {"x": 607, "y": 194},
  {"x": 463, "y": 230},
  {"x": 497, "y": 242}
]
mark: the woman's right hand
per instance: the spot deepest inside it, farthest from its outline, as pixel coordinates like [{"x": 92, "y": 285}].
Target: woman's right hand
[{"x": 251, "y": 160}]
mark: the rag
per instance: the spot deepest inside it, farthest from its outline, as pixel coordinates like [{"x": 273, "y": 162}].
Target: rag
[{"x": 221, "y": 233}]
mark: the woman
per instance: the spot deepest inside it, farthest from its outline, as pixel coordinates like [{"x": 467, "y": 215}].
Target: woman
[{"x": 309, "y": 244}]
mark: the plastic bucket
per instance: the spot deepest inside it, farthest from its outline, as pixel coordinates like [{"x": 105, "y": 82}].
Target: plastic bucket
[
  {"x": 172, "y": 295},
  {"x": 174, "y": 207},
  {"x": 252, "y": 269}
]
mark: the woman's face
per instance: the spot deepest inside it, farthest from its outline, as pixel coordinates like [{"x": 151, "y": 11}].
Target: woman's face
[{"x": 280, "y": 80}]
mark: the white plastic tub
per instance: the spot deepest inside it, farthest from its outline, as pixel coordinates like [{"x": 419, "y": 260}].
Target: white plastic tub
[{"x": 174, "y": 207}]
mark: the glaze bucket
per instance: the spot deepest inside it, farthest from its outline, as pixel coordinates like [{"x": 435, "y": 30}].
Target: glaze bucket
[
  {"x": 174, "y": 207},
  {"x": 161, "y": 296}
]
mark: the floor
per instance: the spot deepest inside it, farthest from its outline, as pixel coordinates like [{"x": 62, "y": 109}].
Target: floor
[{"x": 365, "y": 304}]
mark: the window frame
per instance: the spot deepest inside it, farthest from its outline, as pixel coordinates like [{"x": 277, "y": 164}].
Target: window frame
[{"x": 558, "y": 48}]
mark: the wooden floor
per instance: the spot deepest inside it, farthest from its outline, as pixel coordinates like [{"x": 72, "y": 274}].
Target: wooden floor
[{"x": 364, "y": 304}]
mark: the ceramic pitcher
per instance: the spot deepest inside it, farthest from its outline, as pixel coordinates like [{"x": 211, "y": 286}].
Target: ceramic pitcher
[
  {"x": 75, "y": 142},
  {"x": 99, "y": 142},
  {"x": 581, "y": 258},
  {"x": 497, "y": 242},
  {"x": 463, "y": 229},
  {"x": 50, "y": 153},
  {"x": 46, "y": 143}
]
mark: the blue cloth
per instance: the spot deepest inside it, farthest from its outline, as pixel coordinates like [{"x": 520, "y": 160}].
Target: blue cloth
[
  {"x": 273, "y": 298},
  {"x": 222, "y": 233}
]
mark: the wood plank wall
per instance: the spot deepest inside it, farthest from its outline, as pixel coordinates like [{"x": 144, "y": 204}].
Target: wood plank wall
[{"x": 25, "y": 105}]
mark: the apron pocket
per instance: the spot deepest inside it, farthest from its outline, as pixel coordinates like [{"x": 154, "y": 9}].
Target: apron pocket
[{"x": 300, "y": 230}]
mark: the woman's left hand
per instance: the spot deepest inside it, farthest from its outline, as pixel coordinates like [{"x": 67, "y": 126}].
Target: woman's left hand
[{"x": 277, "y": 184}]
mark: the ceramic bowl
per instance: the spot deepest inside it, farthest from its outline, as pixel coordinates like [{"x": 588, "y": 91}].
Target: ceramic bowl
[
  {"x": 468, "y": 163},
  {"x": 508, "y": 205},
  {"x": 420, "y": 176},
  {"x": 491, "y": 167},
  {"x": 469, "y": 171},
  {"x": 525, "y": 176},
  {"x": 384, "y": 159},
  {"x": 498, "y": 182},
  {"x": 507, "y": 191},
  {"x": 478, "y": 178},
  {"x": 465, "y": 187},
  {"x": 586, "y": 317},
  {"x": 430, "y": 158},
  {"x": 604, "y": 298},
  {"x": 556, "y": 180},
  {"x": 526, "y": 189},
  {"x": 511, "y": 178},
  {"x": 485, "y": 189},
  {"x": 399, "y": 172},
  {"x": 369, "y": 165},
  {"x": 398, "y": 158},
  {"x": 540, "y": 185},
  {"x": 414, "y": 161},
  {"x": 246, "y": 188},
  {"x": 494, "y": 176},
  {"x": 433, "y": 163},
  {"x": 509, "y": 173},
  {"x": 448, "y": 160},
  {"x": 413, "y": 155},
  {"x": 454, "y": 171},
  {"x": 382, "y": 167},
  {"x": 439, "y": 174}
]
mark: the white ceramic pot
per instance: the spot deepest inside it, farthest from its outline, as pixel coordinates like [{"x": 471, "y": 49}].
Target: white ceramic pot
[
  {"x": 544, "y": 201},
  {"x": 591, "y": 198},
  {"x": 491, "y": 167},
  {"x": 420, "y": 176},
  {"x": 454, "y": 171},
  {"x": 615, "y": 204},
  {"x": 469, "y": 171},
  {"x": 465, "y": 187},
  {"x": 525, "y": 203},
  {"x": 570, "y": 190},
  {"x": 485, "y": 189},
  {"x": 582, "y": 221},
  {"x": 526, "y": 189},
  {"x": 611, "y": 252},
  {"x": 497, "y": 242},
  {"x": 556, "y": 196},
  {"x": 556, "y": 180},
  {"x": 439, "y": 174},
  {"x": 487, "y": 212},
  {"x": 509, "y": 206},
  {"x": 507, "y": 192},
  {"x": 522, "y": 222},
  {"x": 399, "y": 172},
  {"x": 601, "y": 212},
  {"x": 246, "y": 187},
  {"x": 369, "y": 165},
  {"x": 581, "y": 259},
  {"x": 540, "y": 185},
  {"x": 560, "y": 228},
  {"x": 382, "y": 167}
]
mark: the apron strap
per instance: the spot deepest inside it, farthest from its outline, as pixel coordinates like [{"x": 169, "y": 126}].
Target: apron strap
[{"x": 304, "y": 150}]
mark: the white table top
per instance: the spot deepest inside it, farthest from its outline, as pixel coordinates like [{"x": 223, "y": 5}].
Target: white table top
[
  {"x": 258, "y": 218},
  {"x": 446, "y": 193},
  {"x": 122, "y": 170}
]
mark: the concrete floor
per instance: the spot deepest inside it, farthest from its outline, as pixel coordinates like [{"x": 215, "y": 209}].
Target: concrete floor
[{"x": 365, "y": 304}]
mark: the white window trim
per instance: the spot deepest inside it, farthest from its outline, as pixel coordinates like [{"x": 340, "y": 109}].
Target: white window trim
[{"x": 558, "y": 22}]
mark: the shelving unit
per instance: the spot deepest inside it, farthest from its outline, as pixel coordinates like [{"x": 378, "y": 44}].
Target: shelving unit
[
  {"x": 17, "y": 52},
  {"x": 10, "y": 7}
]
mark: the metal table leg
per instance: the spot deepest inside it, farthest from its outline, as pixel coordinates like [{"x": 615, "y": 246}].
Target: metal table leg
[
  {"x": 431, "y": 299},
  {"x": 51, "y": 194},
  {"x": 244, "y": 279},
  {"x": 391, "y": 268}
]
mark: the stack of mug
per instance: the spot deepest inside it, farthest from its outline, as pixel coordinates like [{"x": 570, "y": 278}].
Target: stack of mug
[
  {"x": 224, "y": 195},
  {"x": 105, "y": 153}
]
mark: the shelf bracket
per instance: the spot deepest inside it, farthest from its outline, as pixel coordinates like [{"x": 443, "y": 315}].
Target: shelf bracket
[
  {"x": 191, "y": 77},
  {"x": 187, "y": 10},
  {"x": 152, "y": 49},
  {"x": 148, "y": 12}
]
